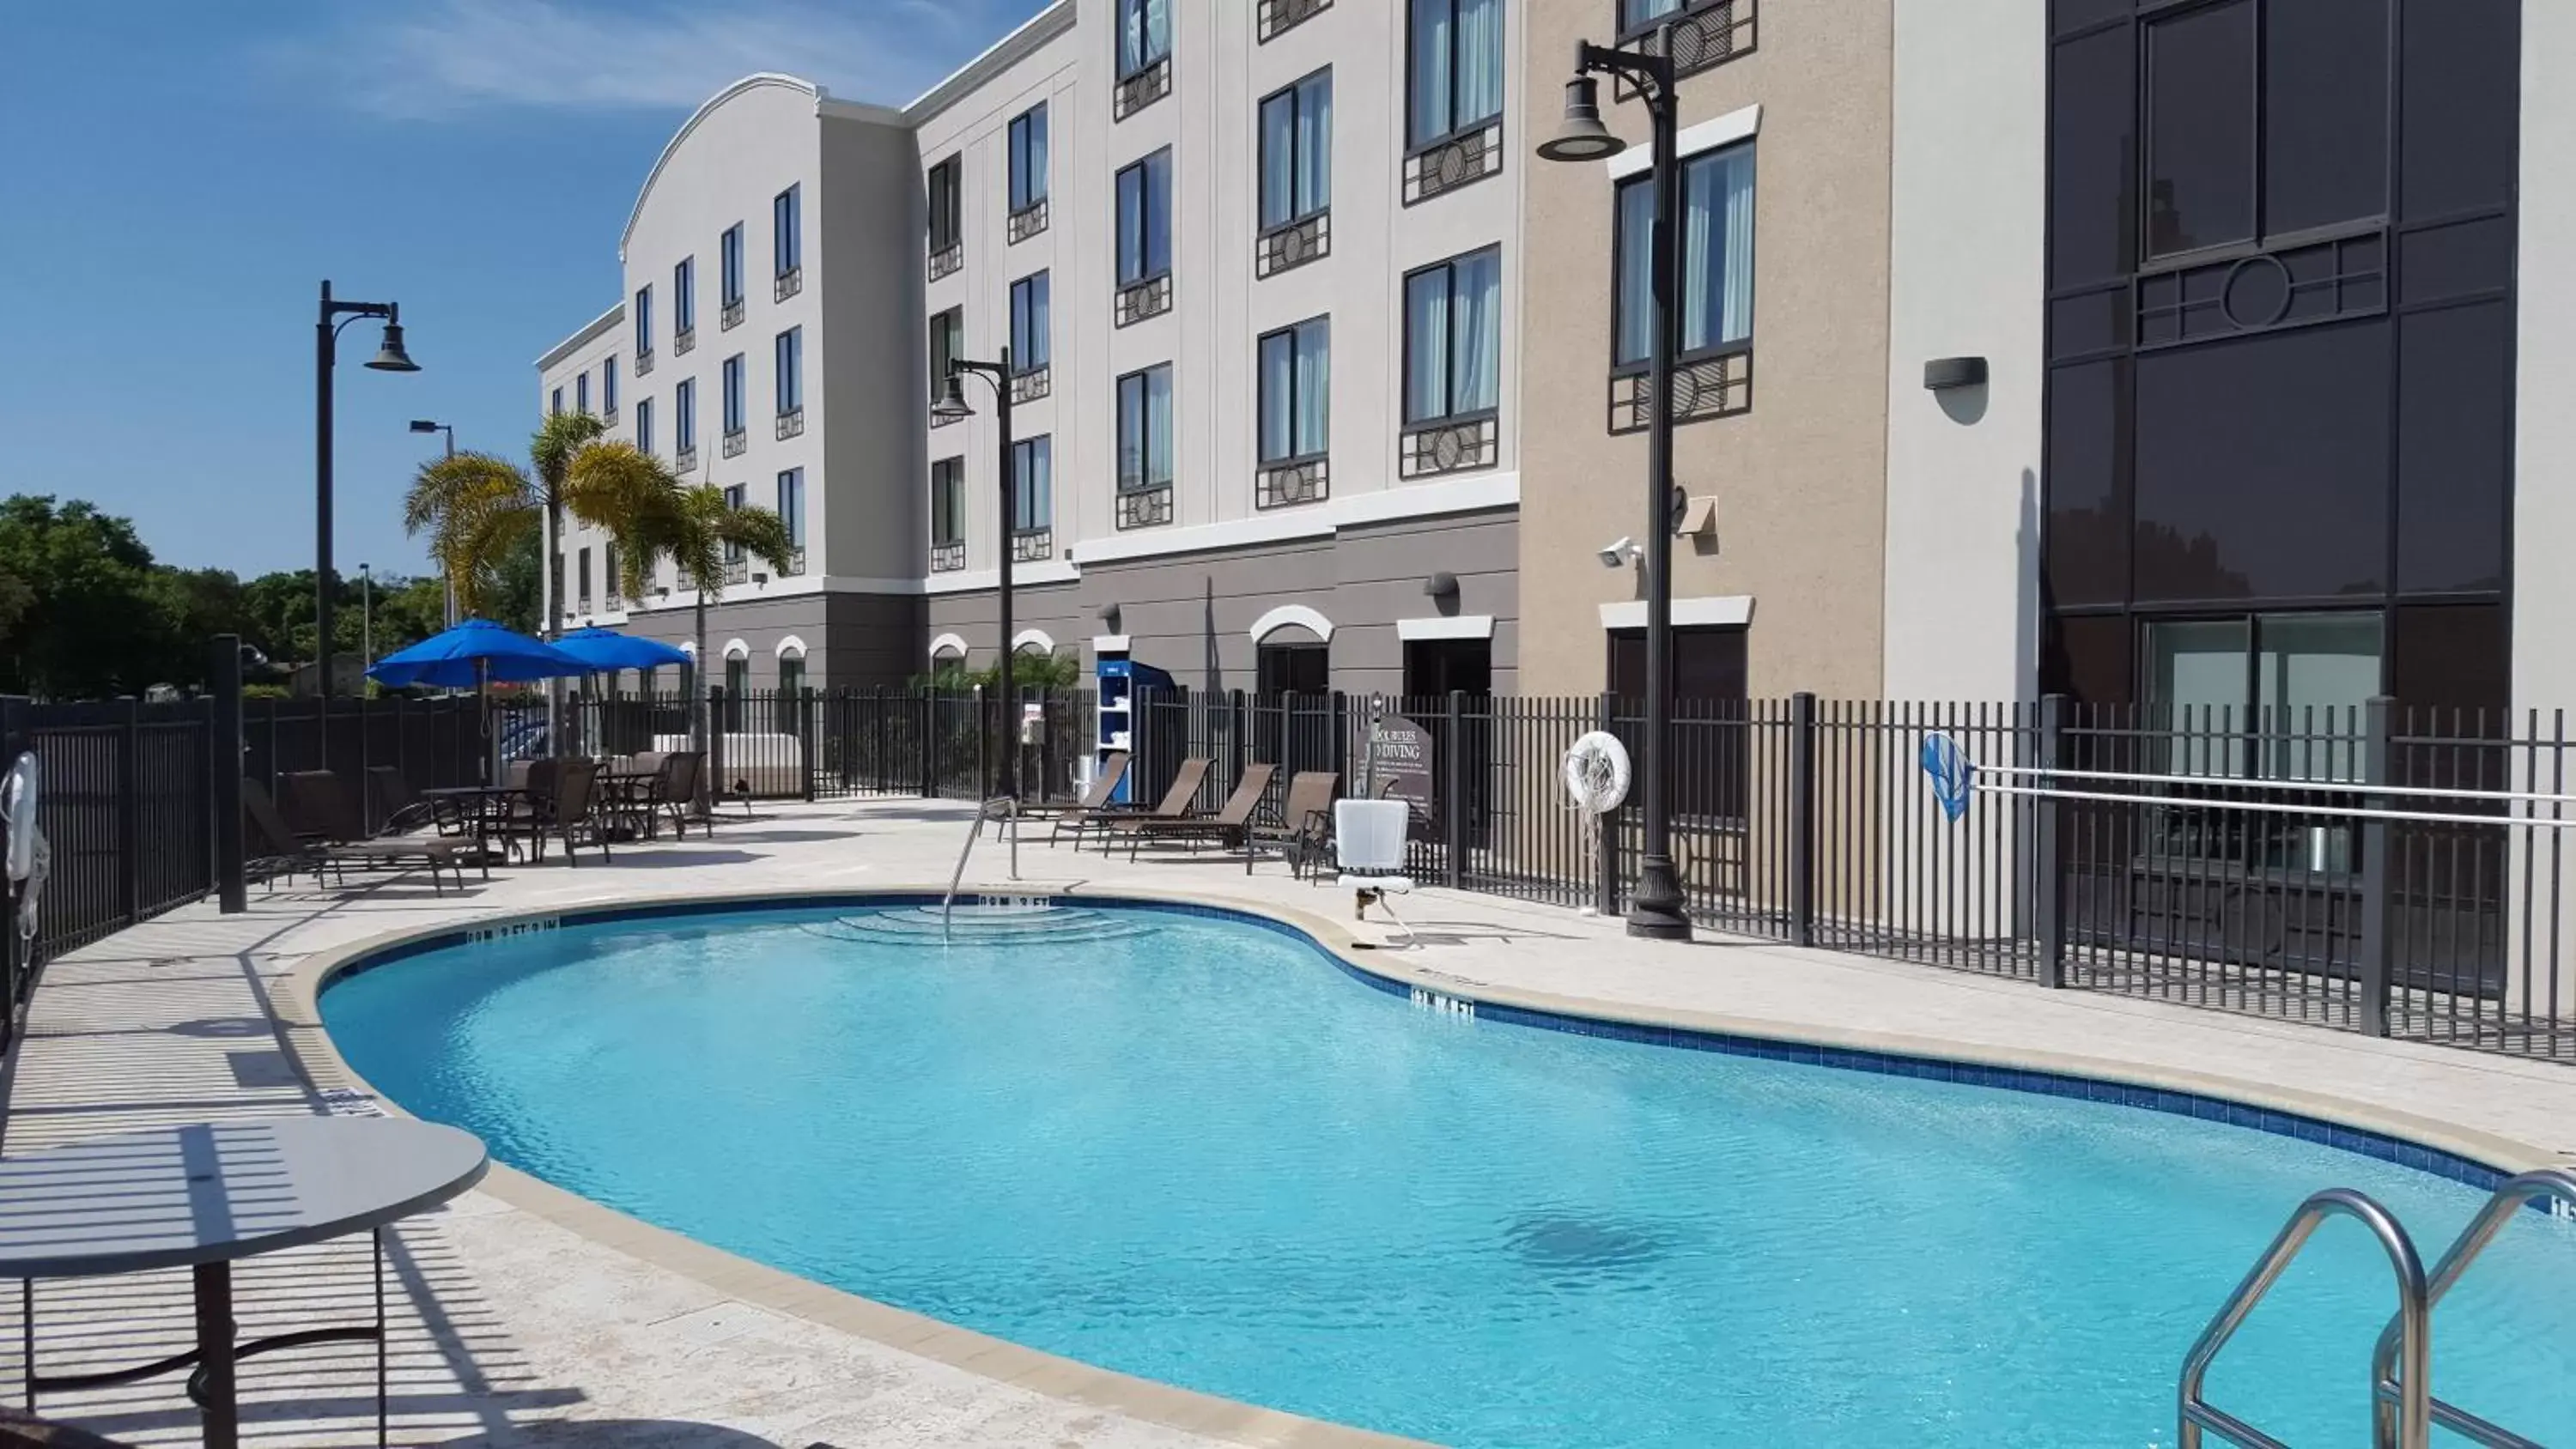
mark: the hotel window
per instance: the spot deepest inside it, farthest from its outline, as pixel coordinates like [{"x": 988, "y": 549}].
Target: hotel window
[
  {"x": 1029, "y": 323},
  {"x": 791, "y": 685},
  {"x": 735, "y": 496},
  {"x": 948, "y": 505},
  {"x": 554, "y": 405},
  {"x": 608, "y": 388},
  {"x": 1028, "y": 145},
  {"x": 1032, "y": 485},
  {"x": 581, "y": 393},
  {"x": 1296, "y": 392},
  {"x": 1715, "y": 259},
  {"x": 684, "y": 415},
  {"x": 947, "y": 344},
  {"x": 684, "y": 304},
  {"x": 1453, "y": 338},
  {"x": 581, "y": 574},
  {"x": 1297, "y": 152},
  {"x": 729, "y": 272},
  {"x": 1145, "y": 218},
  {"x": 643, "y": 326},
  {"x": 1145, "y": 429},
  {"x": 791, "y": 371},
  {"x": 786, "y": 231},
  {"x": 1144, "y": 35},
  {"x": 2278, "y": 696},
  {"x": 737, "y": 684},
  {"x": 947, "y": 218},
  {"x": 644, "y": 425},
  {"x": 791, "y": 504},
  {"x": 1457, "y": 68},
  {"x": 733, "y": 395}
]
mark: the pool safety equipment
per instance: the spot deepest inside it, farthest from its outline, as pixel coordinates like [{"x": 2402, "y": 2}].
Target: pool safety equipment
[
  {"x": 1595, "y": 769},
  {"x": 30, "y": 859}
]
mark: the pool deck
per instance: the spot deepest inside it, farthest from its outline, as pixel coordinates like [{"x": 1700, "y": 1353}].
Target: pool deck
[{"x": 526, "y": 1316}]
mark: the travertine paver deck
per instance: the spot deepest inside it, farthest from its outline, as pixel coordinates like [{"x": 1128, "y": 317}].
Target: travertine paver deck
[{"x": 514, "y": 1329}]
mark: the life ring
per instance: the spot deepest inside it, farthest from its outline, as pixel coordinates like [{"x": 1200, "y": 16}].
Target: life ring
[
  {"x": 1595, "y": 769},
  {"x": 18, "y": 808}
]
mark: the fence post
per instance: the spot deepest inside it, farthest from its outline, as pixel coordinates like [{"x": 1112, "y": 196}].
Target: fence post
[
  {"x": 1453, "y": 792},
  {"x": 805, "y": 737},
  {"x": 2048, "y": 845},
  {"x": 1605, "y": 827},
  {"x": 930, "y": 744},
  {"x": 1242, "y": 744},
  {"x": 1342, "y": 744},
  {"x": 1802, "y": 819},
  {"x": 884, "y": 774},
  {"x": 224, "y": 771},
  {"x": 713, "y": 792},
  {"x": 2376, "y": 840}
]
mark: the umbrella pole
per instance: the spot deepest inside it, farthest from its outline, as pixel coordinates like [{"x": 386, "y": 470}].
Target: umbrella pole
[{"x": 483, "y": 716}]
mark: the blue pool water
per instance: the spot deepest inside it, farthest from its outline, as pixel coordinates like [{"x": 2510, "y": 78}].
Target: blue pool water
[{"x": 1193, "y": 1149}]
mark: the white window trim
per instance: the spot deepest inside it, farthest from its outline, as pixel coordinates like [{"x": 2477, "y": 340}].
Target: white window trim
[
  {"x": 1713, "y": 611},
  {"x": 1292, "y": 615},
  {"x": 736, "y": 649},
  {"x": 791, "y": 645},
  {"x": 1736, "y": 125},
  {"x": 947, "y": 645},
  {"x": 1038, "y": 639},
  {"x": 1446, "y": 626}
]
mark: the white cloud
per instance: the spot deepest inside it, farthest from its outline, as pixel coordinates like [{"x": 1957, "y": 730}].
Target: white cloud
[{"x": 445, "y": 58}]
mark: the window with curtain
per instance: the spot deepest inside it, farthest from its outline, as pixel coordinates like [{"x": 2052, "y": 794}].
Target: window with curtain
[
  {"x": 1296, "y": 392},
  {"x": 786, "y": 233},
  {"x": 946, "y": 222},
  {"x": 1145, "y": 429},
  {"x": 947, "y": 344},
  {"x": 684, "y": 295},
  {"x": 791, "y": 504},
  {"x": 1456, "y": 75},
  {"x": 684, "y": 410},
  {"x": 1028, "y": 143},
  {"x": 791, "y": 370},
  {"x": 1453, "y": 342},
  {"x": 734, "y": 402},
  {"x": 644, "y": 320},
  {"x": 729, "y": 264},
  {"x": 644, "y": 425},
  {"x": 1297, "y": 151},
  {"x": 1714, "y": 257},
  {"x": 1032, "y": 484},
  {"x": 1144, "y": 34},
  {"x": 1029, "y": 323},
  {"x": 1145, "y": 219},
  {"x": 948, "y": 501}
]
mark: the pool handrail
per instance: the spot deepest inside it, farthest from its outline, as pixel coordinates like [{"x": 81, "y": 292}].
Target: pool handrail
[
  {"x": 1008, "y": 810},
  {"x": 2404, "y": 1421},
  {"x": 2554, "y": 1183}
]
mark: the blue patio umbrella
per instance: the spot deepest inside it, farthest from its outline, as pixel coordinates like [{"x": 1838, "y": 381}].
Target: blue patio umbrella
[
  {"x": 605, "y": 649},
  {"x": 475, "y": 652}
]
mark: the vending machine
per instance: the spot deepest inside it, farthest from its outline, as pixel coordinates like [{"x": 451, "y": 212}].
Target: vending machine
[{"x": 1119, "y": 680}]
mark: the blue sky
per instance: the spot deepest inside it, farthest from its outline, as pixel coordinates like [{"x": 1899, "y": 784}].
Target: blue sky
[{"x": 177, "y": 176}]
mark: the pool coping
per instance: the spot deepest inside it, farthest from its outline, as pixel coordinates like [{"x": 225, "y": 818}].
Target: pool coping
[{"x": 2444, "y": 1148}]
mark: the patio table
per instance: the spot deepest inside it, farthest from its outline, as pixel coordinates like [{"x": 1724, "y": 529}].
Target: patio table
[{"x": 202, "y": 1195}]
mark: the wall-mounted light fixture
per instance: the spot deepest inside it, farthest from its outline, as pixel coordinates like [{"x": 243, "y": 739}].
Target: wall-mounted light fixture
[
  {"x": 1443, "y": 585},
  {"x": 1943, "y": 373}
]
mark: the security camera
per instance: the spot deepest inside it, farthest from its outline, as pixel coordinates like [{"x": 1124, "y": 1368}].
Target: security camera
[{"x": 1618, "y": 554}]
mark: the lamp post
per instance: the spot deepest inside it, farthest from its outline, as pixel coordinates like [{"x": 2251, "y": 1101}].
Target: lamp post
[
  {"x": 366, "y": 619},
  {"x": 1656, "y": 908},
  {"x": 425, "y": 425},
  {"x": 952, "y": 405},
  {"x": 390, "y": 357}
]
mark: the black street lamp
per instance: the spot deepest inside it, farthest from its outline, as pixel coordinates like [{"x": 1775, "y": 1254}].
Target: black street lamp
[
  {"x": 426, "y": 425},
  {"x": 1656, "y": 907},
  {"x": 326, "y": 351},
  {"x": 953, "y": 406}
]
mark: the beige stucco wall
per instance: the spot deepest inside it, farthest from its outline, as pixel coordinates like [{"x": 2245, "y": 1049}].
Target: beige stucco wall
[{"x": 1800, "y": 479}]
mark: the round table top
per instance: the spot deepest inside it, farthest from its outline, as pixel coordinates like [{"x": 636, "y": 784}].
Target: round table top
[{"x": 214, "y": 1191}]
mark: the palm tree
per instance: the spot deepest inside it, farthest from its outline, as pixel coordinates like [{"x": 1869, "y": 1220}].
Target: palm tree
[
  {"x": 477, "y": 506},
  {"x": 653, "y": 516}
]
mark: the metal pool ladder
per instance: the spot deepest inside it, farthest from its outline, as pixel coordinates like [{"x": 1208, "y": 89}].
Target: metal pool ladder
[
  {"x": 1003, "y": 807},
  {"x": 2403, "y": 1408}
]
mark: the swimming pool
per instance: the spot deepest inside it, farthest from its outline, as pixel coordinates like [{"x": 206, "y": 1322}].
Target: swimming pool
[{"x": 1191, "y": 1148}]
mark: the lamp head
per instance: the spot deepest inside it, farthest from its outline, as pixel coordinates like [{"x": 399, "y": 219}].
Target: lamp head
[
  {"x": 1581, "y": 136},
  {"x": 952, "y": 404},
  {"x": 423, "y": 425},
  {"x": 391, "y": 357}
]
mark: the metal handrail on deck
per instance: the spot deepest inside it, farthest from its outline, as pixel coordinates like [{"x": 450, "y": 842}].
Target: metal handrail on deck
[
  {"x": 2401, "y": 1418},
  {"x": 1000, "y": 806},
  {"x": 2553, "y": 1183}
]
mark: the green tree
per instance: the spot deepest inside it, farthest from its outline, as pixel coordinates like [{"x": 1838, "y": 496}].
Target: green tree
[
  {"x": 479, "y": 509},
  {"x": 88, "y": 622}
]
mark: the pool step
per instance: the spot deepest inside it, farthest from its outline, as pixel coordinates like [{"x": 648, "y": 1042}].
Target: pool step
[{"x": 980, "y": 925}]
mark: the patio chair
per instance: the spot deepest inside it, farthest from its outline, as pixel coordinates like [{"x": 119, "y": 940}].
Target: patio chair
[
  {"x": 1095, "y": 806},
  {"x": 572, "y": 813},
  {"x": 676, "y": 793},
  {"x": 21, "y": 1429},
  {"x": 318, "y": 829},
  {"x": 1369, "y": 842},
  {"x": 1302, "y": 828},
  {"x": 1175, "y": 803},
  {"x": 1225, "y": 826},
  {"x": 400, "y": 812},
  {"x": 522, "y": 816}
]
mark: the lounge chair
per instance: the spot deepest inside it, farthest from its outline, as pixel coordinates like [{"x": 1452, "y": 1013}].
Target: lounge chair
[
  {"x": 1302, "y": 829},
  {"x": 400, "y": 812},
  {"x": 1176, "y": 801},
  {"x": 1095, "y": 808},
  {"x": 316, "y": 833},
  {"x": 573, "y": 813},
  {"x": 1225, "y": 826}
]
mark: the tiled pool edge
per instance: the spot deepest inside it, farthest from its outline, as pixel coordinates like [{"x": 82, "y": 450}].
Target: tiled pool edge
[{"x": 2447, "y": 1149}]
